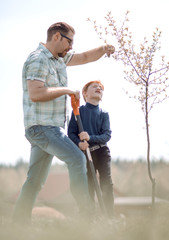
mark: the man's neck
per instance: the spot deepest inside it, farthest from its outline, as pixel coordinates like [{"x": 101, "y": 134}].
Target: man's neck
[{"x": 49, "y": 46}]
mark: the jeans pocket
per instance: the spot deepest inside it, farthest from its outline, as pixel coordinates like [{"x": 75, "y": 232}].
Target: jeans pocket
[{"x": 36, "y": 136}]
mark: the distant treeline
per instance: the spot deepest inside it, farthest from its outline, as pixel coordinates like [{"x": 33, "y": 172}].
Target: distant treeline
[{"x": 21, "y": 163}]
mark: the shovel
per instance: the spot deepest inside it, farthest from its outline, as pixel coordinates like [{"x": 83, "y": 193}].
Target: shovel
[{"x": 75, "y": 105}]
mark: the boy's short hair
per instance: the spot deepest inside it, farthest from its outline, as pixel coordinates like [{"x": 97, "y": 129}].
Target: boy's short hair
[{"x": 84, "y": 90}]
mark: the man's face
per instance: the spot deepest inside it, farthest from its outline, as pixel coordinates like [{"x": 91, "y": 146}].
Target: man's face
[
  {"x": 66, "y": 43},
  {"x": 94, "y": 91}
]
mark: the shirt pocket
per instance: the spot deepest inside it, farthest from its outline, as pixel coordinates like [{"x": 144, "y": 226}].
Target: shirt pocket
[{"x": 52, "y": 78}]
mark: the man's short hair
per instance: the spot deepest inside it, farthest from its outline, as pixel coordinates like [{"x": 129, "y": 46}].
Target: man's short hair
[{"x": 58, "y": 27}]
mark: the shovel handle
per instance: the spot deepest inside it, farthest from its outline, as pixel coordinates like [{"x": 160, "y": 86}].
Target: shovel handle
[{"x": 75, "y": 104}]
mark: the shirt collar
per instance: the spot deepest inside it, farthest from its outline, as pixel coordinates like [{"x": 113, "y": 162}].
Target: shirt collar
[
  {"x": 91, "y": 106},
  {"x": 46, "y": 51}
]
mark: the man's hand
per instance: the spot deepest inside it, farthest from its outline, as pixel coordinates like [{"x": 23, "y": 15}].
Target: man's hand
[
  {"x": 84, "y": 136},
  {"x": 76, "y": 93},
  {"x": 109, "y": 49}
]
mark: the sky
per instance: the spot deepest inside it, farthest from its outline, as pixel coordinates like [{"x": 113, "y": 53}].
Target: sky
[{"x": 24, "y": 24}]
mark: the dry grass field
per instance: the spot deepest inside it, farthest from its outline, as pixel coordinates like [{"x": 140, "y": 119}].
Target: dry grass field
[{"x": 55, "y": 214}]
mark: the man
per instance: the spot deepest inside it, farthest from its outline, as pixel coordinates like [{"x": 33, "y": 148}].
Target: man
[
  {"x": 44, "y": 103},
  {"x": 96, "y": 134}
]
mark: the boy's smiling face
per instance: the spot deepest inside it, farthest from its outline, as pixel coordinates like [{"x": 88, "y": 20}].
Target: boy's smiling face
[{"x": 94, "y": 91}]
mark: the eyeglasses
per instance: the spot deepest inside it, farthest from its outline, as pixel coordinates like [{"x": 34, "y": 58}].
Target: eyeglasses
[{"x": 70, "y": 40}]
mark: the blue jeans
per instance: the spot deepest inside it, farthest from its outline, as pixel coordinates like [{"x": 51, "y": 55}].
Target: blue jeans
[{"x": 46, "y": 142}]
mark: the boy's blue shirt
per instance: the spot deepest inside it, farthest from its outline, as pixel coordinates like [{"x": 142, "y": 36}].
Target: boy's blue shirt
[{"x": 95, "y": 122}]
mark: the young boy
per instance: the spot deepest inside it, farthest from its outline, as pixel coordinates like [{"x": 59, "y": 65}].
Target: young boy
[{"x": 96, "y": 134}]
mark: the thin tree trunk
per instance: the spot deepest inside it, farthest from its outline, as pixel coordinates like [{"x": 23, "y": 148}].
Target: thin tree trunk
[{"x": 148, "y": 147}]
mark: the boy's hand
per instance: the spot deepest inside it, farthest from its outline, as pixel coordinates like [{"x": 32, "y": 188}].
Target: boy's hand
[
  {"x": 84, "y": 136},
  {"x": 83, "y": 145}
]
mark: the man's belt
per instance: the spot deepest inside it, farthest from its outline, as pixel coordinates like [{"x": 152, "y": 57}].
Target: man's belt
[{"x": 97, "y": 147}]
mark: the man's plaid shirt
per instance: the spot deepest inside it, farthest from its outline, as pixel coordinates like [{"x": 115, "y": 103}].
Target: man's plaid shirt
[{"x": 41, "y": 65}]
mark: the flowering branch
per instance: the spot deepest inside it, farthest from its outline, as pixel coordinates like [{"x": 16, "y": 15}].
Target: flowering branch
[{"x": 140, "y": 69}]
